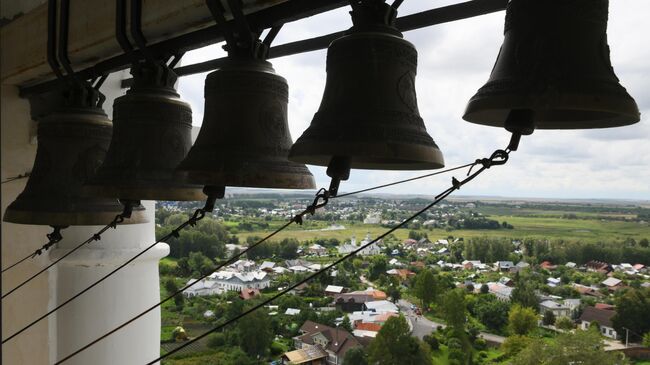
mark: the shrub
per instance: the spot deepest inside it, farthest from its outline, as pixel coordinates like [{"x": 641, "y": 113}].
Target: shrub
[
  {"x": 216, "y": 340},
  {"x": 432, "y": 341}
]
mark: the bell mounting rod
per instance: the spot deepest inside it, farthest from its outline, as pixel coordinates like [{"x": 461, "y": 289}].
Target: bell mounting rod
[
  {"x": 213, "y": 192},
  {"x": 520, "y": 122},
  {"x": 338, "y": 169}
]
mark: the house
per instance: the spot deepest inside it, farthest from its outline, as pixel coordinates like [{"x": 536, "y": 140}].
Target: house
[
  {"x": 559, "y": 310},
  {"x": 354, "y": 301},
  {"x": 335, "y": 342},
  {"x": 202, "y": 288},
  {"x": 372, "y": 218},
  {"x": 249, "y": 293},
  {"x": 403, "y": 274},
  {"x": 573, "y": 305},
  {"x": 418, "y": 264},
  {"x": 501, "y": 291},
  {"x": 332, "y": 290},
  {"x": 380, "y": 306},
  {"x": 604, "y": 306},
  {"x": 598, "y": 266},
  {"x": 470, "y": 264},
  {"x": 587, "y": 290},
  {"x": 547, "y": 265},
  {"x": 237, "y": 281},
  {"x": 317, "y": 250},
  {"x": 267, "y": 266},
  {"x": 612, "y": 283},
  {"x": 503, "y": 266},
  {"x": 307, "y": 355},
  {"x": 553, "y": 282},
  {"x": 292, "y": 312},
  {"x": 601, "y": 316},
  {"x": 571, "y": 265},
  {"x": 506, "y": 281}
]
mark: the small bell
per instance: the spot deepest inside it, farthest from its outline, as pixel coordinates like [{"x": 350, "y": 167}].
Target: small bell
[
  {"x": 152, "y": 135},
  {"x": 72, "y": 143},
  {"x": 553, "y": 71},
  {"x": 245, "y": 140},
  {"x": 369, "y": 113}
]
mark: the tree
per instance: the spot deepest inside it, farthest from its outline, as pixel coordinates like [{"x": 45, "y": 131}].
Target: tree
[
  {"x": 289, "y": 248},
  {"x": 564, "y": 323},
  {"x": 171, "y": 288},
  {"x": 524, "y": 294},
  {"x": 346, "y": 323},
  {"x": 521, "y": 320},
  {"x": 394, "y": 345},
  {"x": 199, "y": 263},
  {"x": 454, "y": 309},
  {"x": 548, "y": 318},
  {"x": 582, "y": 347},
  {"x": 426, "y": 288},
  {"x": 485, "y": 289},
  {"x": 633, "y": 313},
  {"x": 646, "y": 340},
  {"x": 355, "y": 356},
  {"x": 514, "y": 344},
  {"x": 378, "y": 266},
  {"x": 255, "y": 333},
  {"x": 394, "y": 293},
  {"x": 491, "y": 312}
]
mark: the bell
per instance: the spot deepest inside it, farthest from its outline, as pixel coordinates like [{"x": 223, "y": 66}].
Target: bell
[
  {"x": 554, "y": 63},
  {"x": 244, "y": 140},
  {"x": 152, "y": 134},
  {"x": 369, "y": 112},
  {"x": 72, "y": 143}
]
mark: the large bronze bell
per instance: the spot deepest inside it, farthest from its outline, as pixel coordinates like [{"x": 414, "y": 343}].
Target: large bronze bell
[
  {"x": 152, "y": 134},
  {"x": 245, "y": 140},
  {"x": 554, "y": 63},
  {"x": 72, "y": 143},
  {"x": 369, "y": 112}
]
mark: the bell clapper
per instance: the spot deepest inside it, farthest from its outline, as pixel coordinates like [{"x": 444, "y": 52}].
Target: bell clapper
[
  {"x": 338, "y": 169},
  {"x": 519, "y": 122},
  {"x": 213, "y": 192}
]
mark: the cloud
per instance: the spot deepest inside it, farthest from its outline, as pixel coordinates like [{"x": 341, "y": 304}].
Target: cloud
[{"x": 455, "y": 59}]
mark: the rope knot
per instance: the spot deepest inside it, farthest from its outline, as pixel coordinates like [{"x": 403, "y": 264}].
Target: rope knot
[{"x": 97, "y": 237}]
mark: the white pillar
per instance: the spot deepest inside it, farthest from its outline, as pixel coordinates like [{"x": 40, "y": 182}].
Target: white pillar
[{"x": 116, "y": 300}]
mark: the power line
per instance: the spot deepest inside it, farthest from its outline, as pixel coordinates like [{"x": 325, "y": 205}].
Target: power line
[
  {"x": 198, "y": 215},
  {"x": 320, "y": 201},
  {"x": 499, "y": 157}
]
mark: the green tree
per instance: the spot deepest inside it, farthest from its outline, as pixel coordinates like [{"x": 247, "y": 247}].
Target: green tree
[
  {"x": 646, "y": 340},
  {"x": 454, "y": 309},
  {"x": 521, "y": 320},
  {"x": 255, "y": 333},
  {"x": 524, "y": 294},
  {"x": 171, "y": 288},
  {"x": 581, "y": 347},
  {"x": 199, "y": 263},
  {"x": 564, "y": 323},
  {"x": 355, "y": 356},
  {"x": 394, "y": 345},
  {"x": 378, "y": 266},
  {"x": 346, "y": 323},
  {"x": 491, "y": 312},
  {"x": 426, "y": 288},
  {"x": 633, "y": 313},
  {"x": 514, "y": 344},
  {"x": 548, "y": 318}
]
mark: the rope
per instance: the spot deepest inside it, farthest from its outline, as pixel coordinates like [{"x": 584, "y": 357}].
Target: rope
[
  {"x": 21, "y": 176},
  {"x": 499, "y": 157},
  {"x": 53, "y": 238},
  {"x": 405, "y": 180},
  {"x": 198, "y": 215}
]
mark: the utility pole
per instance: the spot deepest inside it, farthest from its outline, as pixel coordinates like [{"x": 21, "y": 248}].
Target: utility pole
[{"x": 627, "y": 332}]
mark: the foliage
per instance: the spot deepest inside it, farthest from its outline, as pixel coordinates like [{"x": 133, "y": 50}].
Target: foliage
[
  {"x": 582, "y": 347},
  {"x": 524, "y": 293},
  {"x": 216, "y": 340},
  {"x": 355, "y": 356},
  {"x": 378, "y": 266},
  {"x": 346, "y": 324},
  {"x": 548, "y": 318},
  {"x": 394, "y": 345},
  {"x": 432, "y": 341},
  {"x": 646, "y": 340},
  {"x": 454, "y": 309},
  {"x": 633, "y": 313},
  {"x": 521, "y": 320},
  {"x": 426, "y": 288},
  {"x": 514, "y": 344},
  {"x": 492, "y": 312},
  {"x": 255, "y": 333},
  {"x": 564, "y": 323}
]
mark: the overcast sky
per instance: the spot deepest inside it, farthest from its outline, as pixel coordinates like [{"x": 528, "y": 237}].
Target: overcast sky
[{"x": 455, "y": 59}]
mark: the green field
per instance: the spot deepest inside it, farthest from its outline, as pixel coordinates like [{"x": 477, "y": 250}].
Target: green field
[{"x": 587, "y": 230}]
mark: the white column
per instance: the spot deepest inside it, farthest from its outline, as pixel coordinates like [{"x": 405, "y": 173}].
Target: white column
[{"x": 116, "y": 300}]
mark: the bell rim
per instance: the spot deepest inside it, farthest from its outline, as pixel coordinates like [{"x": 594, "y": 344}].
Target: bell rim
[
  {"x": 155, "y": 190},
  {"x": 77, "y": 218},
  {"x": 281, "y": 181},
  {"x": 614, "y": 111},
  {"x": 361, "y": 158}
]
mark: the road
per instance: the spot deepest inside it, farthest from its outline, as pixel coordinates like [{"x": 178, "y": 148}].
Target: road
[{"x": 423, "y": 326}]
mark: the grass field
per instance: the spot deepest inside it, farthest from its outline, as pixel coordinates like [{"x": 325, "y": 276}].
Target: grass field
[{"x": 533, "y": 227}]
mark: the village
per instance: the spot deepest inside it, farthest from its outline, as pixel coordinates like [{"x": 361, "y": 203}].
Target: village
[{"x": 349, "y": 305}]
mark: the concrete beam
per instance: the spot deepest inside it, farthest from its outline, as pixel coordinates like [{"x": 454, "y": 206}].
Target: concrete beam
[{"x": 92, "y": 33}]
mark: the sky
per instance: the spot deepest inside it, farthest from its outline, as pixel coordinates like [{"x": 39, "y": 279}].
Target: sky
[{"x": 454, "y": 60}]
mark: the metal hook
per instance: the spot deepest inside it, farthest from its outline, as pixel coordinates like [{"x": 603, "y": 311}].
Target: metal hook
[
  {"x": 51, "y": 40},
  {"x": 64, "y": 29}
]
